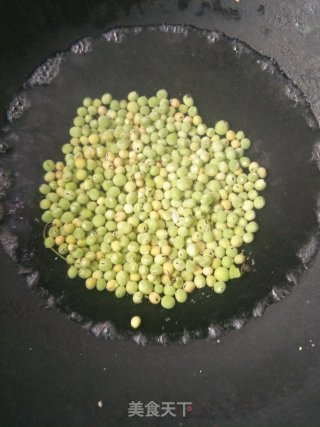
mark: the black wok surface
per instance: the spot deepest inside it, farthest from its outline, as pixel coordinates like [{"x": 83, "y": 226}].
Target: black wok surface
[
  {"x": 54, "y": 373},
  {"x": 227, "y": 79}
]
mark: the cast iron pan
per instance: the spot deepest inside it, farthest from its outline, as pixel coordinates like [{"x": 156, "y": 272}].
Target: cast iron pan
[{"x": 228, "y": 80}]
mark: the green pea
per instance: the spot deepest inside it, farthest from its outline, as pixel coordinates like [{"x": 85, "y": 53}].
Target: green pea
[
  {"x": 221, "y": 274},
  {"x": 47, "y": 217},
  {"x": 84, "y": 273},
  {"x": 135, "y": 322},
  {"x": 147, "y": 192},
  {"x": 221, "y": 127},
  {"x": 252, "y": 227},
  {"x": 234, "y": 272},
  {"x": 200, "y": 281},
  {"x": 260, "y": 184},
  {"x": 131, "y": 287},
  {"x": 245, "y": 143},
  {"x": 137, "y": 297},
  {"x": 44, "y": 189},
  {"x": 168, "y": 302},
  {"x": 49, "y": 242},
  {"x": 181, "y": 295},
  {"x": 219, "y": 287},
  {"x": 145, "y": 287},
  {"x": 259, "y": 202},
  {"x": 72, "y": 272},
  {"x": 101, "y": 284},
  {"x": 120, "y": 291},
  {"x": 48, "y": 165}
]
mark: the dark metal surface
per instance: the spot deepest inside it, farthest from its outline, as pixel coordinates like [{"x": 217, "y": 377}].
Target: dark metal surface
[
  {"x": 53, "y": 373},
  {"x": 228, "y": 80}
]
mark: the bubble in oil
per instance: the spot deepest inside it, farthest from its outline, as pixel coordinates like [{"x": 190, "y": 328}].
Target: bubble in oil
[
  {"x": 15, "y": 206},
  {"x": 308, "y": 251},
  {"x": 163, "y": 339},
  {"x": 48, "y": 71},
  {"x": 4, "y": 148},
  {"x": 174, "y": 29},
  {"x": 239, "y": 47},
  {"x": 114, "y": 36},
  {"x": 17, "y": 107},
  {"x": 82, "y": 47},
  {"x": 294, "y": 94},
  {"x": 293, "y": 277},
  {"x": 88, "y": 325},
  {"x": 186, "y": 338},
  {"x": 237, "y": 323},
  {"x": 76, "y": 317},
  {"x": 9, "y": 242},
  {"x": 259, "y": 309},
  {"x": 266, "y": 65},
  {"x": 105, "y": 330},
  {"x": 140, "y": 339},
  {"x": 51, "y": 302},
  {"x": 279, "y": 293},
  {"x": 213, "y": 37},
  {"x": 214, "y": 331},
  {"x": 33, "y": 279}
]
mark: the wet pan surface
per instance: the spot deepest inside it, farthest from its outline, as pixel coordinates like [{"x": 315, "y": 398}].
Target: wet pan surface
[{"x": 227, "y": 80}]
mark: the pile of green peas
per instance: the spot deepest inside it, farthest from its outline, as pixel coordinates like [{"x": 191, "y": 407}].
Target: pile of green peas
[{"x": 149, "y": 200}]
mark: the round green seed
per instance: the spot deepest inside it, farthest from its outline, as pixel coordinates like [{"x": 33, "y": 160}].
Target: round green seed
[
  {"x": 149, "y": 200},
  {"x": 221, "y": 274},
  {"x": 181, "y": 295},
  {"x": 135, "y": 322},
  {"x": 219, "y": 287},
  {"x": 168, "y": 302},
  {"x": 221, "y": 127}
]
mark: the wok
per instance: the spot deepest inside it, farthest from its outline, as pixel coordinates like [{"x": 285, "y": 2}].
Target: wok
[{"x": 230, "y": 80}]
